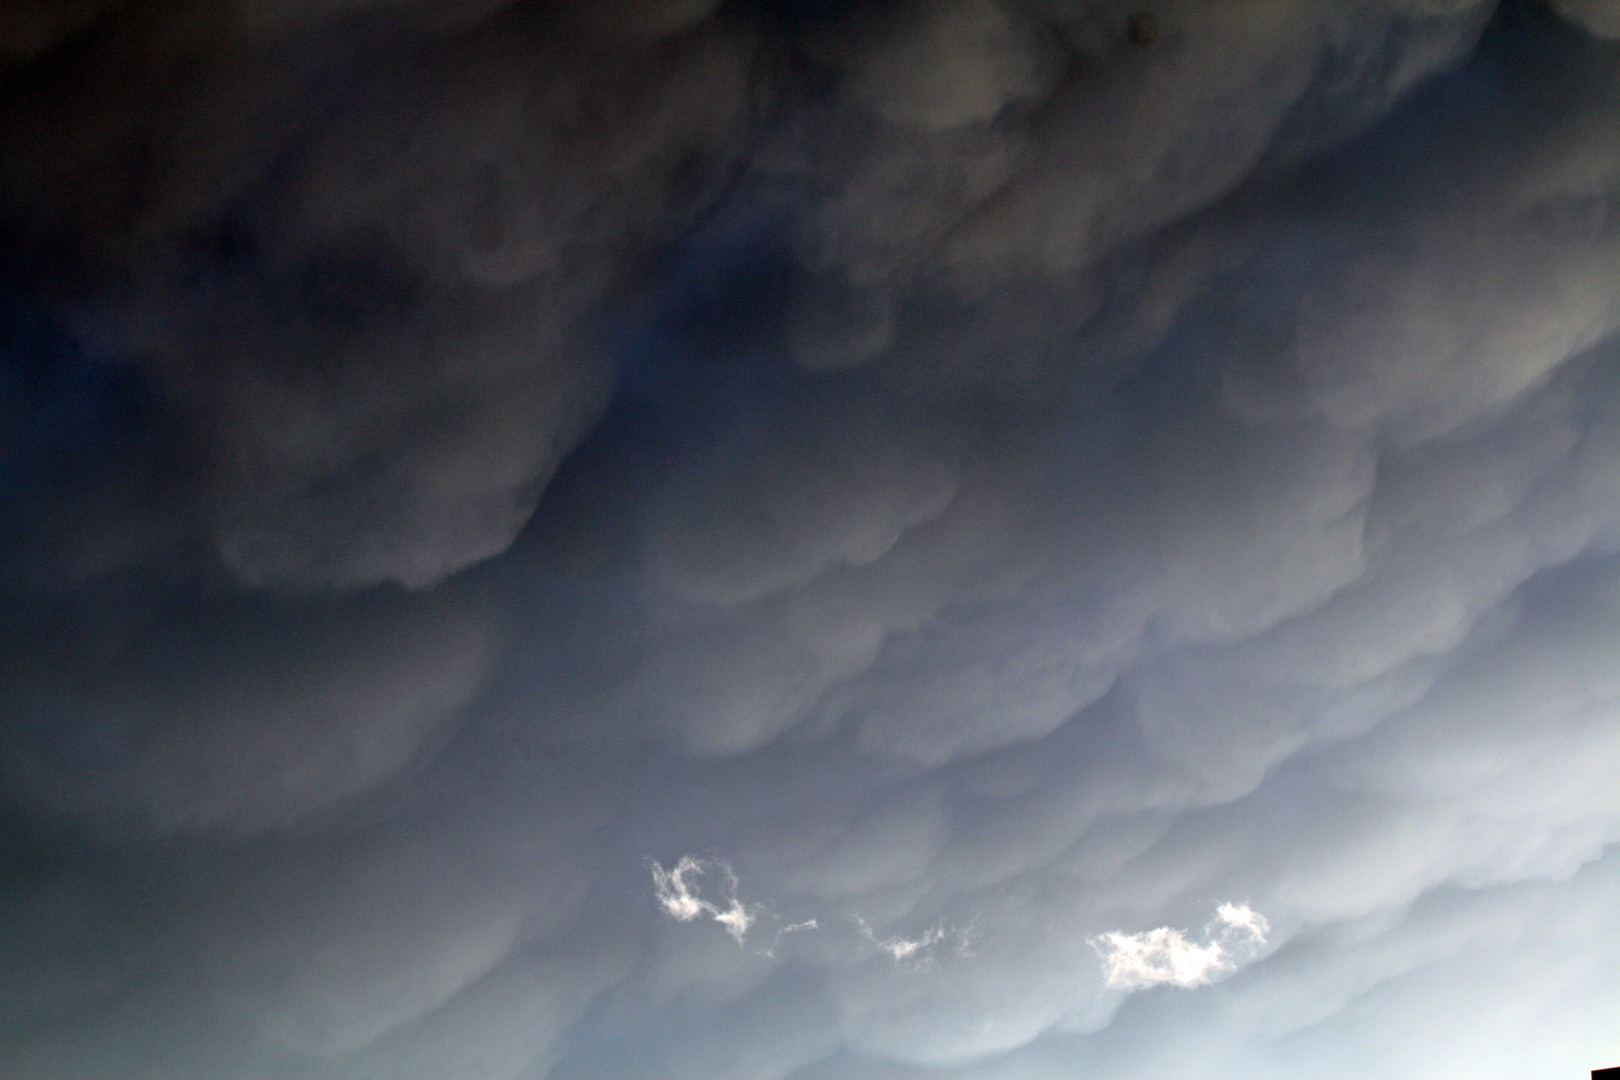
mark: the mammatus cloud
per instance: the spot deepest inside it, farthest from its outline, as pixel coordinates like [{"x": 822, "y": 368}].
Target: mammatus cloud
[
  {"x": 1600, "y": 17},
  {"x": 996, "y": 470},
  {"x": 361, "y": 277},
  {"x": 1165, "y": 955}
]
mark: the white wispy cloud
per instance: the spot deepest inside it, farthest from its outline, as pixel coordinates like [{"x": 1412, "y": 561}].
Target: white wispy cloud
[
  {"x": 917, "y": 950},
  {"x": 791, "y": 928},
  {"x": 697, "y": 888},
  {"x": 680, "y": 892},
  {"x": 1166, "y": 955}
]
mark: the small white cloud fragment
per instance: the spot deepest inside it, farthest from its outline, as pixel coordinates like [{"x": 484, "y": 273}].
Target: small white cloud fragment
[
  {"x": 1234, "y": 937},
  {"x": 791, "y": 928},
  {"x": 917, "y": 950},
  {"x": 680, "y": 892}
]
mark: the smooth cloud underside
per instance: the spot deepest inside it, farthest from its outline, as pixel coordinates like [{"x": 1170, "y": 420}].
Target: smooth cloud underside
[{"x": 995, "y": 477}]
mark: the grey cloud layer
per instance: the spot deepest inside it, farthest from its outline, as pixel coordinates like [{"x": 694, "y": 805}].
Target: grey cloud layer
[{"x": 762, "y": 541}]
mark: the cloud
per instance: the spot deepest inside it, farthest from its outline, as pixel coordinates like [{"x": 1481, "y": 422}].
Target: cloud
[
  {"x": 986, "y": 145},
  {"x": 269, "y": 717},
  {"x": 368, "y": 308},
  {"x": 993, "y": 473},
  {"x": 1165, "y": 955},
  {"x": 916, "y": 950},
  {"x": 791, "y": 928},
  {"x": 1600, "y": 17},
  {"x": 679, "y": 891}
]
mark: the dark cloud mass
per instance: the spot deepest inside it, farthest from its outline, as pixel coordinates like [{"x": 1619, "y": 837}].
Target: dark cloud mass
[{"x": 809, "y": 539}]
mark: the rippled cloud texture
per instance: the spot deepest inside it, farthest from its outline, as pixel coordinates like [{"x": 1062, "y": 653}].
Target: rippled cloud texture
[{"x": 820, "y": 539}]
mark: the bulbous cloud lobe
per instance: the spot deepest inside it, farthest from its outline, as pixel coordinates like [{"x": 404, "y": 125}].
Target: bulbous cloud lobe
[
  {"x": 546, "y": 539},
  {"x": 360, "y": 273}
]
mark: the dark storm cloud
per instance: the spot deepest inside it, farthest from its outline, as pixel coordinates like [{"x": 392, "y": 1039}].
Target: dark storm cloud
[
  {"x": 973, "y": 538},
  {"x": 361, "y": 276}
]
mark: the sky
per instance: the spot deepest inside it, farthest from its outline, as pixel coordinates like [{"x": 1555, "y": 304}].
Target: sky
[{"x": 809, "y": 539}]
